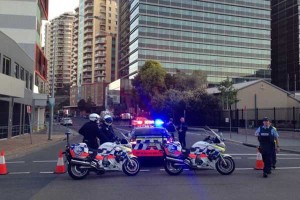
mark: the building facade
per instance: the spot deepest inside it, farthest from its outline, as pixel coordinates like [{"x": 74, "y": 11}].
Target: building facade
[
  {"x": 228, "y": 38},
  {"x": 22, "y": 21},
  {"x": 58, "y": 49},
  {"x": 285, "y": 44},
  {"x": 24, "y": 26},
  {"x": 16, "y": 71},
  {"x": 94, "y": 50}
]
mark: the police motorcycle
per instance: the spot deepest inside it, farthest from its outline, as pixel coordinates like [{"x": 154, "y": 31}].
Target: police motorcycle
[
  {"x": 206, "y": 154},
  {"x": 111, "y": 156}
]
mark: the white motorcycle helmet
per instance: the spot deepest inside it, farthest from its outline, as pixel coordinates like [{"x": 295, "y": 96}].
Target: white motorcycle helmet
[
  {"x": 94, "y": 117},
  {"x": 107, "y": 120}
]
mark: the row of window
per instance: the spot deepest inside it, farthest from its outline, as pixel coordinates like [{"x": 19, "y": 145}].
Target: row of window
[
  {"x": 199, "y": 15},
  {"x": 16, "y": 71},
  {"x": 202, "y": 37},
  {"x": 202, "y": 48},
  {"x": 238, "y": 9},
  {"x": 156, "y": 21},
  {"x": 196, "y": 58}
]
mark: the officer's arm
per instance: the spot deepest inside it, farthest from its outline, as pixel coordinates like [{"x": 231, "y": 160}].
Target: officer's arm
[
  {"x": 257, "y": 132},
  {"x": 276, "y": 135}
]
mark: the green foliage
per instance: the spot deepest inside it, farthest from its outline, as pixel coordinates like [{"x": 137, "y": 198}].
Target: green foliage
[
  {"x": 228, "y": 93},
  {"x": 150, "y": 81}
]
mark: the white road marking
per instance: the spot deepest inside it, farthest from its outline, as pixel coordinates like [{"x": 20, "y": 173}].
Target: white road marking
[
  {"x": 254, "y": 154},
  {"x": 46, "y": 172},
  {"x": 19, "y": 173},
  {"x": 253, "y": 158},
  {"x": 287, "y": 168},
  {"x": 44, "y": 161},
  {"x": 15, "y": 162}
]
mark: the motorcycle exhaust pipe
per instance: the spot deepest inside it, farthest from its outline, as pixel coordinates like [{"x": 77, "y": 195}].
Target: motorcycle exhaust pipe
[
  {"x": 79, "y": 162},
  {"x": 174, "y": 159}
]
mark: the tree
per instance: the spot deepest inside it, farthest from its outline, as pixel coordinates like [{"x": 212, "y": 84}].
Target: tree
[
  {"x": 228, "y": 93},
  {"x": 81, "y": 104},
  {"x": 150, "y": 81},
  {"x": 89, "y": 105}
]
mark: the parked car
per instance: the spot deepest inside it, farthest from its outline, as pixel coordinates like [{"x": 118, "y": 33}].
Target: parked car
[{"x": 66, "y": 121}]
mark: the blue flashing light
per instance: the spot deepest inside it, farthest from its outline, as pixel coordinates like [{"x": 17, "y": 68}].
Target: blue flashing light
[{"x": 158, "y": 123}]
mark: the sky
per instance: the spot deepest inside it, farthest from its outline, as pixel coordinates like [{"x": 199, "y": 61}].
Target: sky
[{"x": 57, "y": 7}]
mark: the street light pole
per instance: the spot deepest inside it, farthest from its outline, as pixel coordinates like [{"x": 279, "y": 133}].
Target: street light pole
[{"x": 52, "y": 99}]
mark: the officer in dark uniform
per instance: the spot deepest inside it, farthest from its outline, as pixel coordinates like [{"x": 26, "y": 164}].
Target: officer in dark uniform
[
  {"x": 90, "y": 132},
  {"x": 107, "y": 133},
  {"x": 182, "y": 128},
  {"x": 266, "y": 136}
]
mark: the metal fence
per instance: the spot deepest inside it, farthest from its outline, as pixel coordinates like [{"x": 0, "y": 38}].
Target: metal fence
[
  {"x": 19, "y": 130},
  {"x": 282, "y": 118}
]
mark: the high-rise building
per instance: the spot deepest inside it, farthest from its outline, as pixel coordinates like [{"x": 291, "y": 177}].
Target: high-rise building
[
  {"x": 285, "y": 44},
  {"x": 94, "y": 50},
  {"x": 223, "y": 38},
  {"x": 24, "y": 26},
  {"x": 58, "y": 49}
]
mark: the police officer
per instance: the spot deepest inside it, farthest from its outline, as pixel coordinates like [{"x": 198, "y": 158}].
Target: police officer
[
  {"x": 107, "y": 133},
  {"x": 90, "y": 132},
  {"x": 171, "y": 127},
  {"x": 266, "y": 136},
  {"x": 182, "y": 128}
]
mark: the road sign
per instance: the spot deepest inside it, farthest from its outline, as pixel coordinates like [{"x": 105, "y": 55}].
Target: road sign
[{"x": 28, "y": 108}]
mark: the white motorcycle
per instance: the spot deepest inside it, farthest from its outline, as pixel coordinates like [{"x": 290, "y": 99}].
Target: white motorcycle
[
  {"x": 111, "y": 156},
  {"x": 206, "y": 154}
]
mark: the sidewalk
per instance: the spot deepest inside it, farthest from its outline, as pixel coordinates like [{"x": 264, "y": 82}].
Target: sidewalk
[
  {"x": 288, "y": 143},
  {"x": 23, "y": 144}
]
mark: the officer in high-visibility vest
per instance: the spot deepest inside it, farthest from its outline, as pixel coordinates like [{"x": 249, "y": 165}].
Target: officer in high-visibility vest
[{"x": 266, "y": 135}]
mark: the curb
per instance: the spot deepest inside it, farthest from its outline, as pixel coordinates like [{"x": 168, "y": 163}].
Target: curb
[{"x": 255, "y": 146}]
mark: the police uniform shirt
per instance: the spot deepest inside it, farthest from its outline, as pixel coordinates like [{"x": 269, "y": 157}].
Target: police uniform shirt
[{"x": 273, "y": 132}]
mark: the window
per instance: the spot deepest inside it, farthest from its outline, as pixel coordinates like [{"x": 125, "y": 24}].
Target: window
[
  {"x": 109, "y": 28},
  {"x": 31, "y": 82},
  {"x": 109, "y": 8},
  {"x": 6, "y": 66},
  {"x": 27, "y": 79},
  {"x": 22, "y": 73},
  {"x": 109, "y": 15},
  {"x": 109, "y": 21},
  {"x": 17, "y": 70}
]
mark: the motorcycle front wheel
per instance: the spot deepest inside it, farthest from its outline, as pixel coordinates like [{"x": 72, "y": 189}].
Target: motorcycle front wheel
[
  {"x": 76, "y": 172},
  {"x": 171, "y": 168},
  {"x": 131, "y": 167},
  {"x": 225, "y": 167}
]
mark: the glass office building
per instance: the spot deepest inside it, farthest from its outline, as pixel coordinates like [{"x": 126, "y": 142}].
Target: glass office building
[
  {"x": 223, "y": 38},
  {"x": 285, "y": 44}
]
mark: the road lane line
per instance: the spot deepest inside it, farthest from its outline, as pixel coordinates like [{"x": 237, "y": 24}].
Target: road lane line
[
  {"x": 46, "y": 172},
  {"x": 287, "y": 168},
  {"x": 254, "y": 154},
  {"x": 19, "y": 173},
  {"x": 15, "y": 162},
  {"x": 253, "y": 158},
  {"x": 44, "y": 161}
]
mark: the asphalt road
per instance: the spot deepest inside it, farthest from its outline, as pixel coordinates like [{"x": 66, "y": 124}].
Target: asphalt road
[{"x": 31, "y": 177}]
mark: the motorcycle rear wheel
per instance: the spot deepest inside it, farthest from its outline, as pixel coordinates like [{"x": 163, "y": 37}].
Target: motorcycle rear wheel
[
  {"x": 76, "y": 172},
  {"x": 132, "y": 167},
  {"x": 225, "y": 168},
  {"x": 171, "y": 169}
]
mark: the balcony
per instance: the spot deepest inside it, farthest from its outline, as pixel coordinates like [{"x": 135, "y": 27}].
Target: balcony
[
  {"x": 87, "y": 64},
  {"x": 88, "y": 19},
  {"x": 89, "y": 5},
  {"x": 99, "y": 68},
  {"x": 100, "y": 61},
  {"x": 87, "y": 44},
  {"x": 88, "y": 24},
  {"x": 87, "y": 51},
  {"x": 99, "y": 75},
  {"x": 87, "y": 76},
  {"x": 90, "y": 30},
  {"x": 87, "y": 69},
  {"x": 100, "y": 48},
  {"x": 101, "y": 41},
  {"x": 100, "y": 55}
]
